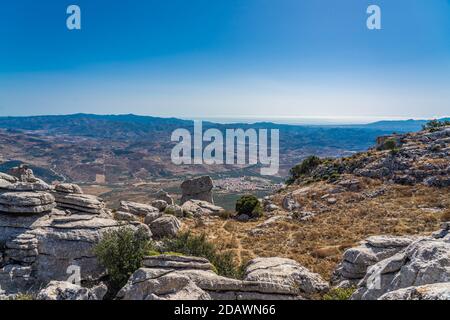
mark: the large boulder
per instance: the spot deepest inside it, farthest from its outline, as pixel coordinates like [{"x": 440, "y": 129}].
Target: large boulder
[
  {"x": 80, "y": 202},
  {"x": 163, "y": 195},
  {"x": 198, "y": 208},
  {"x": 191, "y": 278},
  {"x": 62, "y": 290},
  {"x": 357, "y": 260},
  {"x": 68, "y": 188},
  {"x": 425, "y": 261},
  {"x": 435, "y": 291},
  {"x": 137, "y": 209},
  {"x": 165, "y": 226},
  {"x": 198, "y": 189},
  {"x": 285, "y": 272}
]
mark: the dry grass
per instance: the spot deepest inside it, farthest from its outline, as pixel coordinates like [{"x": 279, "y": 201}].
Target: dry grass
[{"x": 318, "y": 244}]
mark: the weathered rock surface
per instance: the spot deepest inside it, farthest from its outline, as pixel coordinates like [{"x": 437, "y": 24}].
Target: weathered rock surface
[
  {"x": 165, "y": 226},
  {"x": 425, "y": 261},
  {"x": 198, "y": 208},
  {"x": 138, "y": 209},
  {"x": 435, "y": 291},
  {"x": 357, "y": 260},
  {"x": 175, "y": 210},
  {"x": 163, "y": 195},
  {"x": 62, "y": 290},
  {"x": 197, "y": 189},
  {"x": 161, "y": 205},
  {"x": 190, "y": 278},
  {"x": 80, "y": 202},
  {"x": 286, "y": 272},
  {"x": 68, "y": 188}
]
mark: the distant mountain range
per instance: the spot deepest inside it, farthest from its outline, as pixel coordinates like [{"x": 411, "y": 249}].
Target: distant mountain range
[{"x": 125, "y": 147}]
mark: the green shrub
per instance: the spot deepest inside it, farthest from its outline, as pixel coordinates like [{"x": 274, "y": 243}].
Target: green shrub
[
  {"x": 389, "y": 144},
  {"x": 121, "y": 252},
  {"x": 249, "y": 205},
  {"x": 304, "y": 168},
  {"x": 339, "y": 294},
  {"x": 198, "y": 246},
  {"x": 435, "y": 125}
]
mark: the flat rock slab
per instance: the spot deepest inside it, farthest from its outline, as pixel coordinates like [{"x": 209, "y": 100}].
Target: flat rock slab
[
  {"x": 23, "y": 199},
  {"x": 68, "y": 188}
]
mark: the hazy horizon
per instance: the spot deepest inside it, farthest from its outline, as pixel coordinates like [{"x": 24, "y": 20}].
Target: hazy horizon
[{"x": 259, "y": 58}]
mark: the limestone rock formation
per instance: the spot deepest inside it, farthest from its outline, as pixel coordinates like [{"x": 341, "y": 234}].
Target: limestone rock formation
[
  {"x": 286, "y": 272},
  {"x": 425, "y": 261},
  {"x": 357, "y": 260},
  {"x": 62, "y": 290},
  {"x": 190, "y": 278},
  {"x": 163, "y": 195},
  {"x": 165, "y": 226},
  {"x": 435, "y": 291},
  {"x": 198, "y": 208},
  {"x": 198, "y": 189},
  {"x": 161, "y": 205},
  {"x": 137, "y": 209},
  {"x": 40, "y": 243}
]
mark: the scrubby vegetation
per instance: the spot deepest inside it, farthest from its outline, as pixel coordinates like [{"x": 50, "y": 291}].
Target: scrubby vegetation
[
  {"x": 435, "y": 125},
  {"x": 304, "y": 168},
  {"x": 121, "y": 252},
  {"x": 249, "y": 205},
  {"x": 339, "y": 294},
  {"x": 197, "y": 245}
]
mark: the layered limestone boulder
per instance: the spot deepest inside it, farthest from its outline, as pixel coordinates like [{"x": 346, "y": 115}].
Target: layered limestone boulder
[
  {"x": 161, "y": 205},
  {"x": 40, "y": 243},
  {"x": 435, "y": 291},
  {"x": 165, "y": 226},
  {"x": 357, "y": 260},
  {"x": 197, "y": 189},
  {"x": 425, "y": 261},
  {"x": 80, "y": 202},
  {"x": 137, "y": 209},
  {"x": 163, "y": 195},
  {"x": 192, "y": 278},
  {"x": 198, "y": 208},
  {"x": 26, "y": 202},
  {"x": 286, "y": 272}
]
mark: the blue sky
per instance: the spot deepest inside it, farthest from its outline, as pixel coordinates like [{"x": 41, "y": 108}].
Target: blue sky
[{"x": 226, "y": 58}]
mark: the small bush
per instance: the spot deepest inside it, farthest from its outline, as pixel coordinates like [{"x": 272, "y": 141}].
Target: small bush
[
  {"x": 199, "y": 246},
  {"x": 339, "y": 294},
  {"x": 249, "y": 205},
  {"x": 121, "y": 252},
  {"x": 304, "y": 168}
]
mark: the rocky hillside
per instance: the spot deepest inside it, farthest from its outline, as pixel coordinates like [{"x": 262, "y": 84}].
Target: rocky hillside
[
  {"x": 371, "y": 226},
  {"x": 399, "y": 187}
]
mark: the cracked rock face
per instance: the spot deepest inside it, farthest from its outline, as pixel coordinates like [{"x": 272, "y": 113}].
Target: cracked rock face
[
  {"x": 357, "y": 260},
  {"x": 61, "y": 290},
  {"x": 435, "y": 291},
  {"x": 425, "y": 261},
  {"x": 165, "y": 226},
  {"x": 137, "y": 209},
  {"x": 197, "y": 189},
  {"x": 198, "y": 208}
]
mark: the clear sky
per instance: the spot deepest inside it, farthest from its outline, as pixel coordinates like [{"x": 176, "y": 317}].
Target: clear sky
[{"x": 226, "y": 58}]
